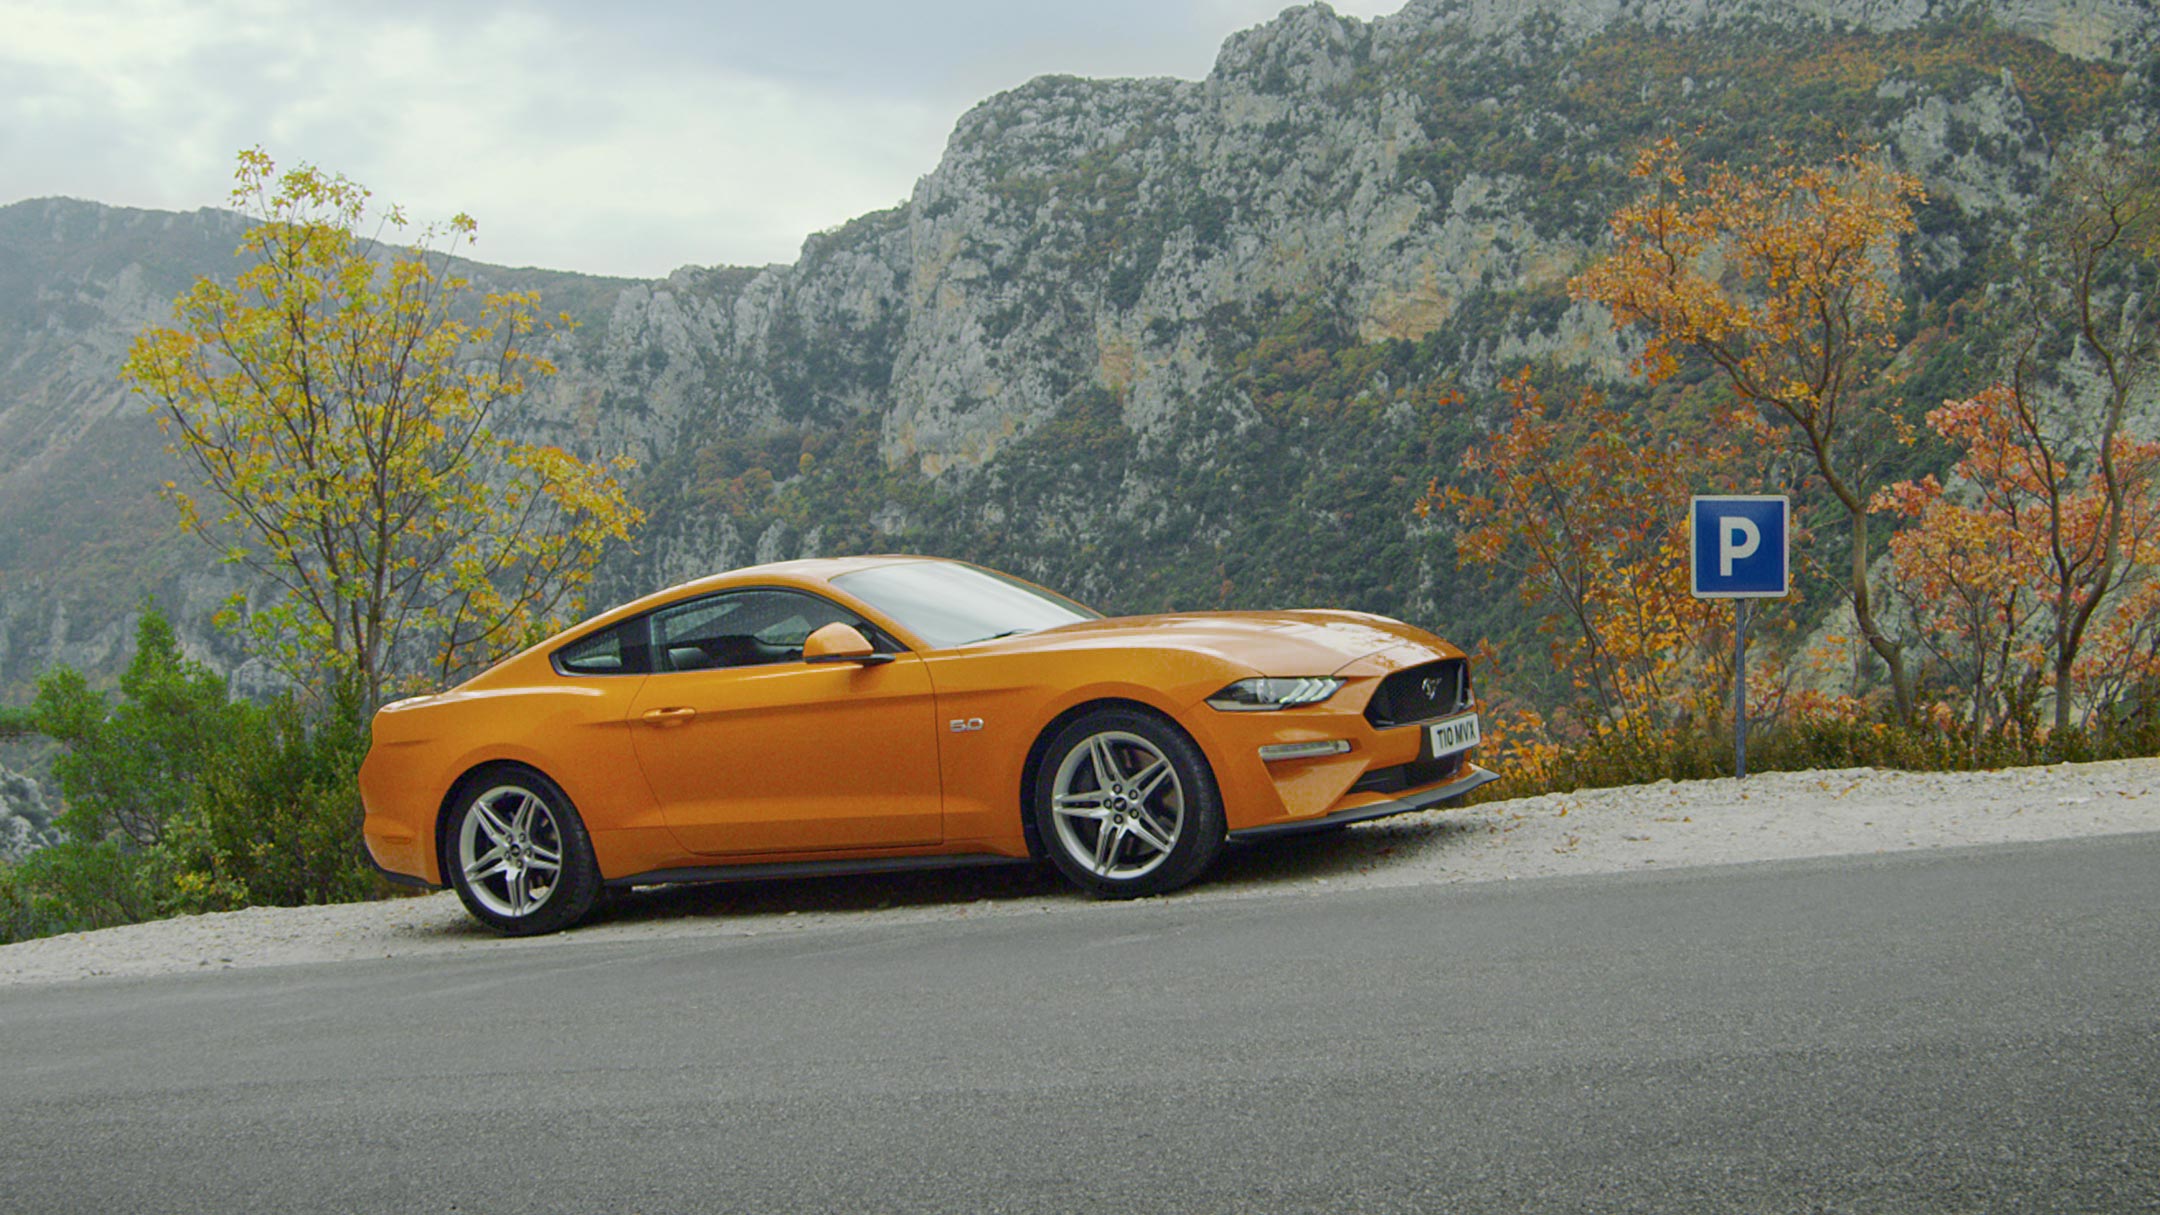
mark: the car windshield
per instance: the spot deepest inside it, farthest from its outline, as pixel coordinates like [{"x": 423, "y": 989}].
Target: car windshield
[{"x": 947, "y": 604}]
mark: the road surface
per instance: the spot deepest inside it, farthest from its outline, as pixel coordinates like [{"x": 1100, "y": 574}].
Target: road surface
[{"x": 1965, "y": 1030}]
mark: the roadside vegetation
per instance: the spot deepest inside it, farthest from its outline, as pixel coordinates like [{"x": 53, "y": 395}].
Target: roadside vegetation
[
  {"x": 2005, "y": 612},
  {"x": 178, "y": 798},
  {"x": 338, "y": 404}
]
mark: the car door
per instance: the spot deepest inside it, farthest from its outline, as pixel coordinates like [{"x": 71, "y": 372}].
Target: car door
[{"x": 751, "y": 750}]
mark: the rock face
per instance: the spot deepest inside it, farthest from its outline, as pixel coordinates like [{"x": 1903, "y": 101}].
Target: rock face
[
  {"x": 2121, "y": 30},
  {"x": 25, "y": 817},
  {"x": 1158, "y": 342}
]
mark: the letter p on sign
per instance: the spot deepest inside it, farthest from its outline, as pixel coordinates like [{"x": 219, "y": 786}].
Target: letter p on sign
[
  {"x": 1739, "y": 537},
  {"x": 1741, "y": 546}
]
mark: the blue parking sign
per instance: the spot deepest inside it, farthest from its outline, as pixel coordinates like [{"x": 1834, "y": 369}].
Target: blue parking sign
[{"x": 1741, "y": 546}]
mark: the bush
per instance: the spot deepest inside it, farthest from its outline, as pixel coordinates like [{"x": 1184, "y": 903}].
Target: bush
[
  {"x": 276, "y": 820},
  {"x": 78, "y": 885},
  {"x": 129, "y": 768},
  {"x": 179, "y": 799},
  {"x": 1840, "y": 734}
]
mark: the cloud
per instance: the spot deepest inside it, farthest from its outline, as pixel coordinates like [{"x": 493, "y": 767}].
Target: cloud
[
  {"x": 614, "y": 165},
  {"x": 568, "y": 158},
  {"x": 624, "y": 140}
]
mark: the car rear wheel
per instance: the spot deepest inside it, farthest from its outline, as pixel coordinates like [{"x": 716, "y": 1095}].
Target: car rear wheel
[
  {"x": 1126, "y": 805},
  {"x": 518, "y": 854}
]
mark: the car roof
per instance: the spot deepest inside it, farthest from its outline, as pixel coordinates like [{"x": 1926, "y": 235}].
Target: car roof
[{"x": 806, "y": 572}]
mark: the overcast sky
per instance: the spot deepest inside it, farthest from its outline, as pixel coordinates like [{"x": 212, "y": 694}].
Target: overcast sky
[{"x": 624, "y": 138}]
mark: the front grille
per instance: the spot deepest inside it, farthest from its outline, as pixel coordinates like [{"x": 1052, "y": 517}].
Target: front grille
[
  {"x": 1422, "y": 693},
  {"x": 1409, "y": 776}
]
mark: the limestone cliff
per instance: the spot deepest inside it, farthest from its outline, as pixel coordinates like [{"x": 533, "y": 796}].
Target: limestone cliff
[{"x": 1158, "y": 342}]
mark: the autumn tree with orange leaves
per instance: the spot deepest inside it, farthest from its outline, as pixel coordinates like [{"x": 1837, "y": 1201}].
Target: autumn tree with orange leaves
[
  {"x": 1784, "y": 281},
  {"x": 2033, "y": 571},
  {"x": 2084, "y": 348},
  {"x": 1985, "y": 563},
  {"x": 1964, "y": 570},
  {"x": 1585, "y": 510}
]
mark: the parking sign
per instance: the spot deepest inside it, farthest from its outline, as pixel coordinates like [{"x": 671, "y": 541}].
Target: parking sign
[{"x": 1741, "y": 546}]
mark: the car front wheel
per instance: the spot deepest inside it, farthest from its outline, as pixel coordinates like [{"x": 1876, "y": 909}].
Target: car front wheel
[
  {"x": 1126, "y": 805},
  {"x": 518, "y": 854}
]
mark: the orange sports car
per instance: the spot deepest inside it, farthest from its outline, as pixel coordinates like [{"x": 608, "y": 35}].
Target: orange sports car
[{"x": 866, "y": 714}]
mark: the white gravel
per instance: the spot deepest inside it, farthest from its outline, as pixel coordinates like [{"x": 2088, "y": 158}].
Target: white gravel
[{"x": 1850, "y": 812}]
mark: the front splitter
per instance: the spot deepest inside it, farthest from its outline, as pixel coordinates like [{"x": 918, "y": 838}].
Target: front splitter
[{"x": 1424, "y": 799}]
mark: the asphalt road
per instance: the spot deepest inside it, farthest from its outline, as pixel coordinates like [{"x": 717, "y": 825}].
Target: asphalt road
[{"x": 1975, "y": 1030}]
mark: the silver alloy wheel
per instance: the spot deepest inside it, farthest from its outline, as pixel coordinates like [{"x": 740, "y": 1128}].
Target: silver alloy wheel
[
  {"x": 510, "y": 849},
  {"x": 1118, "y": 805}
]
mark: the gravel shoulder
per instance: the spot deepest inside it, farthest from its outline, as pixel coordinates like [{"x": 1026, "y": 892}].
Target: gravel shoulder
[{"x": 1668, "y": 825}]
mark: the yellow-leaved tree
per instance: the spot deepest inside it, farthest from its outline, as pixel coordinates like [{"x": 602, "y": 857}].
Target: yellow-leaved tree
[
  {"x": 1783, "y": 280},
  {"x": 339, "y": 403}
]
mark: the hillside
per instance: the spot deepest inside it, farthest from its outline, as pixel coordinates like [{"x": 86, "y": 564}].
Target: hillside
[{"x": 1160, "y": 343}]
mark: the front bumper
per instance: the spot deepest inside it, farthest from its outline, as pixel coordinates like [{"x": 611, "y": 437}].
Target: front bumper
[
  {"x": 1387, "y": 762},
  {"x": 1423, "y": 799}
]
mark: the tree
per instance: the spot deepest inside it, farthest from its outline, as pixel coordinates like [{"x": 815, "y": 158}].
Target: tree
[
  {"x": 274, "y": 821},
  {"x": 2028, "y": 545},
  {"x": 125, "y": 780},
  {"x": 129, "y": 769},
  {"x": 1965, "y": 570},
  {"x": 1584, "y": 509},
  {"x": 15, "y": 723},
  {"x": 1784, "y": 281},
  {"x": 2084, "y": 346},
  {"x": 338, "y": 402}
]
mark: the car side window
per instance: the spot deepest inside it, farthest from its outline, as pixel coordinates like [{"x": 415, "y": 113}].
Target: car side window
[
  {"x": 612, "y": 651},
  {"x": 741, "y": 629}
]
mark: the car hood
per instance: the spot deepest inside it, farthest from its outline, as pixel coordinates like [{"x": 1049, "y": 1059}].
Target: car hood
[{"x": 1307, "y": 642}]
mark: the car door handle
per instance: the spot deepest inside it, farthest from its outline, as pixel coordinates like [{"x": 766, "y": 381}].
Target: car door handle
[{"x": 669, "y": 717}]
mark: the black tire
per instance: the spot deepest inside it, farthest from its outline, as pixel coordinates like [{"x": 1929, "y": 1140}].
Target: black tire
[
  {"x": 507, "y": 825},
  {"x": 1105, "y": 807}
]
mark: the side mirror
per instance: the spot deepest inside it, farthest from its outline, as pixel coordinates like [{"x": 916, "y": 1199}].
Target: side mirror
[{"x": 838, "y": 642}]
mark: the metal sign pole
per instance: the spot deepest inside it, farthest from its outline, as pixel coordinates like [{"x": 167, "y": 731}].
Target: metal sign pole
[
  {"x": 1739, "y": 683},
  {"x": 1740, "y": 548}
]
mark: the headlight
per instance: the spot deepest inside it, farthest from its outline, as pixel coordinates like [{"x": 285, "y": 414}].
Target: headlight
[{"x": 1250, "y": 695}]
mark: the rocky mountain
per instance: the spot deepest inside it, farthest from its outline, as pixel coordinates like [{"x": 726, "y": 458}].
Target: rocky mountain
[
  {"x": 25, "y": 817},
  {"x": 1156, "y": 342}
]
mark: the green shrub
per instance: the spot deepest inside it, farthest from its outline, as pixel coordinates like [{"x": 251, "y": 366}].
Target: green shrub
[
  {"x": 78, "y": 885},
  {"x": 276, "y": 820},
  {"x": 129, "y": 768},
  {"x": 179, "y": 799}
]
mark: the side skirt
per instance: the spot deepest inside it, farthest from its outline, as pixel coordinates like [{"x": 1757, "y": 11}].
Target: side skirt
[{"x": 799, "y": 869}]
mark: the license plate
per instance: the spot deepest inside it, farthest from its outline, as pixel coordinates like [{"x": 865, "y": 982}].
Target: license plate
[{"x": 1454, "y": 734}]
